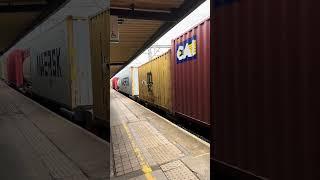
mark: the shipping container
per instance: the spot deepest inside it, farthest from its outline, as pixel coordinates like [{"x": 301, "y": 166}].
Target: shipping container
[
  {"x": 100, "y": 65},
  {"x": 115, "y": 83},
  {"x": 124, "y": 83},
  {"x": 4, "y": 69},
  {"x": 190, "y": 64},
  {"x": 118, "y": 84},
  {"x": 128, "y": 81},
  {"x": 27, "y": 68},
  {"x": 1, "y": 67},
  {"x": 60, "y": 64},
  {"x": 155, "y": 81},
  {"x": 15, "y": 68},
  {"x": 266, "y": 89},
  {"x": 134, "y": 76}
]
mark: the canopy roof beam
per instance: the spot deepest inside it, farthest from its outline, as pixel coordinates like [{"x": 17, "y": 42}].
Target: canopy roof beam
[
  {"x": 142, "y": 14},
  {"x": 22, "y": 8}
]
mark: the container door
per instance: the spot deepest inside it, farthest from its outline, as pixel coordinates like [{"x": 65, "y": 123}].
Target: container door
[{"x": 100, "y": 60}]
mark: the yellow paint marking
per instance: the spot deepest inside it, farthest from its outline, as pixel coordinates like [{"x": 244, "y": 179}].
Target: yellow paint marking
[
  {"x": 146, "y": 169},
  {"x": 149, "y": 176}
]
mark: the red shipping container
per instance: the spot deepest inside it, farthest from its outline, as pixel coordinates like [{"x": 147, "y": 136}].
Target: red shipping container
[
  {"x": 15, "y": 67},
  {"x": 115, "y": 83},
  {"x": 191, "y": 74},
  {"x": 266, "y": 89}
]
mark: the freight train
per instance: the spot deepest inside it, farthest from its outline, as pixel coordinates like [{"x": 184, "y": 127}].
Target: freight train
[
  {"x": 55, "y": 65},
  {"x": 177, "y": 81}
]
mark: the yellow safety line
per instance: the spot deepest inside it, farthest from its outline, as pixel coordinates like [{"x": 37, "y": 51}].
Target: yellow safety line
[{"x": 146, "y": 169}]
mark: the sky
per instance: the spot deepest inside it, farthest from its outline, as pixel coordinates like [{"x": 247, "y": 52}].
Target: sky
[{"x": 198, "y": 15}]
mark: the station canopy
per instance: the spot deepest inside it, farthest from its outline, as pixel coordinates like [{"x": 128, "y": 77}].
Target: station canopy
[
  {"x": 141, "y": 23},
  {"x": 18, "y": 17}
]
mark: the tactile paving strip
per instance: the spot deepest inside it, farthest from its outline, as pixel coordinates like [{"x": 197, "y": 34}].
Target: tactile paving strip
[
  {"x": 152, "y": 141},
  {"x": 125, "y": 160},
  {"x": 171, "y": 165},
  {"x": 165, "y": 153},
  {"x": 147, "y": 136},
  {"x": 160, "y": 149},
  {"x": 7, "y": 106},
  {"x": 177, "y": 170}
]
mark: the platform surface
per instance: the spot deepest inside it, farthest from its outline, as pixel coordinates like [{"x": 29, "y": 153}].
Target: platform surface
[
  {"x": 35, "y": 143},
  {"x": 147, "y": 146}
]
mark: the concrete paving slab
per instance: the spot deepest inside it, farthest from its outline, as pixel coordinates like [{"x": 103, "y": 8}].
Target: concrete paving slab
[
  {"x": 53, "y": 148},
  {"x": 18, "y": 158},
  {"x": 179, "y": 173},
  {"x": 199, "y": 165}
]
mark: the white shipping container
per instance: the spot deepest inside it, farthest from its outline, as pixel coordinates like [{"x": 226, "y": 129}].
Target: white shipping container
[
  {"x": 128, "y": 81},
  {"x": 135, "y": 81},
  {"x": 60, "y": 63},
  {"x": 27, "y": 67}
]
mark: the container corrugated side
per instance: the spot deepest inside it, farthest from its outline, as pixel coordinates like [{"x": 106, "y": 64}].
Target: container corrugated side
[
  {"x": 191, "y": 74},
  {"x": 4, "y": 68},
  {"x": 51, "y": 81},
  {"x": 61, "y": 68},
  {"x": 125, "y": 82},
  {"x": 128, "y": 81},
  {"x": 155, "y": 81},
  {"x": 27, "y": 67},
  {"x": 1, "y": 68},
  {"x": 134, "y": 76},
  {"x": 83, "y": 79},
  {"x": 115, "y": 83},
  {"x": 15, "y": 67},
  {"x": 266, "y": 87},
  {"x": 100, "y": 65}
]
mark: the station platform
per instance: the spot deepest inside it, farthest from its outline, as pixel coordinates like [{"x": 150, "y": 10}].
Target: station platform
[
  {"x": 35, "y": 143},
  {"x": 147, "y": 146}
]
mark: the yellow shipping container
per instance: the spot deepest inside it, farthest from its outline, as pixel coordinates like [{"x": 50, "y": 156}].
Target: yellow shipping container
[
  {"x": 100, "y": 61},
  {"x": 155, "y": 81}
]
